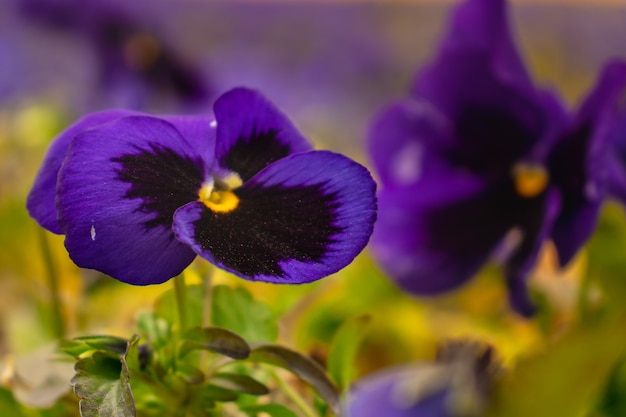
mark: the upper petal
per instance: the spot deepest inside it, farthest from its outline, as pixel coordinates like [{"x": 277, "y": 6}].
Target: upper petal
[
  {"x": 40, "y": 202},
  {"x": 252, "y": 133},
  {"x": 302, "y": 218},
  {"x": 117, "y": 192}
]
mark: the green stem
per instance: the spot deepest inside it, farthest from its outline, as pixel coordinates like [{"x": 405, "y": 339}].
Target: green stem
[
  {"x": 58, "y": 323},
  {"x": 293, "y": 395},
  {"x": 181, "y": 301},
  {"x": 207, "y": 306}
]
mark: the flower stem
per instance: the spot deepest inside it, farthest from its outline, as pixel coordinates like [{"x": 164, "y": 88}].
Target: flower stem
[
  {"x": 293, "y": 395},
  {"x": 181, "y": 301},
  {"x": 207, "y": 307},
  {"x": 582, "y": 301},
  {"x": 58, "y": 323}
]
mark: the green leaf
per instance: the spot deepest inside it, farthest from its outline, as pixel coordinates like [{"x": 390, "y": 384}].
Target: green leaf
[
  {"x": 343, "y": 350},
  {"x": 155, "y": 330},
  {"x": 613, "y": 401},
  {"x": 81, "y": 345},
  {"x": 300, "y": 365},
  {"x": 8, "y": 405},
  {"x": 235, "y": 309},
  {"x": 102, "y": 383},
  {"x": 215, "y": 339},
  {"x": 238, "y": 382},
  {"x": 274, "y": 410}
]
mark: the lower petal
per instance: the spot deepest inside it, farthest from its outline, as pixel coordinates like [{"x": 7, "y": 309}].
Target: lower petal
[{"x": 299, "y": 220}]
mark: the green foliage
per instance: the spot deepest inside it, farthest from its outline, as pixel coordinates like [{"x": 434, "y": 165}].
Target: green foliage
[
  {"x": 235, "y": 309},
  {"x": 301, "y": 366},
  {"x": 215, "y": 339},
  {"x": 343, "y": 350},
  {"x": 274, "y": 410},
  {"x": 8, "y": 405},
  {"x": 613, "y": 401}
]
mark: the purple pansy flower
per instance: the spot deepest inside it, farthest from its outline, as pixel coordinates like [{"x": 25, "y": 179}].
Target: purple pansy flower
[
  {"x": 136, "y": 64},
  {"x": 458, "y": 384},
  {"x": 479, "y": 162},
  {"x": 138, "y": 196}
]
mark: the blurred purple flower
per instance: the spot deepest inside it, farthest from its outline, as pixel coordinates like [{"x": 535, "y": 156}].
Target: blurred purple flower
[
  {"x": 138, "y": 196},
  {"x": 457, "y": 385},
  {"x": 479, "y": 162},
  {"x": 137, "y": 66}
]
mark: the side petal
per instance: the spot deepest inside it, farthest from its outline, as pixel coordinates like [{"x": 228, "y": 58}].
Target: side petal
[
  {"x": 117, "y": 192},
  {"x": 252, "y": 133},
  {"x": 434, "y": 236},
  {"x": 299, "y": 220},
  {"x": 580, "y": 164},
  {"x": 40, "y": 201}
]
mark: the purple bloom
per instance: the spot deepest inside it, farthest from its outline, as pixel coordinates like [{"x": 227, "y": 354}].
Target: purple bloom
[
  {"x": 458, "y": 384},
  {"x": 138, "y": 196},
  {"x": 136, "y": 63},
  {"x": 480, "y": 161}
]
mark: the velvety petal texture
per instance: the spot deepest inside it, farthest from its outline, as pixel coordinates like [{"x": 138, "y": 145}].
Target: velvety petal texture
[
  {"x": 138, "y": 196},
  {"x": 40, "y": 202},
  {"x": 117, "y": 192},
  {"x": 252, "y": 133},
  {"x": 303, "y": 217}
]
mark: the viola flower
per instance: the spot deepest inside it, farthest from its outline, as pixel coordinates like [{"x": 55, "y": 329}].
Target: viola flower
[
  {"x": 137, "y": 66},
  {"x": 139, "y": 196},
  {"x": 479, "y": 162},
  {"x": 456, "y": 385}
]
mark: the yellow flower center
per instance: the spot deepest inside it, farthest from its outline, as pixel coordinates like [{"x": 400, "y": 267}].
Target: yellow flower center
[
  {"x": 530, "y": 180},
  {"x": 218, "y": 195}
]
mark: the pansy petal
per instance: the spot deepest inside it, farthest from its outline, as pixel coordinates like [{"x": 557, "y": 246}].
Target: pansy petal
[
  {"x": 483, "y": 25},
  {"x": 579, "y": 166},
  {"x": 252, "y": 133},
  {"x": 41, "y": 199},
  {"x": 411, "y": 391},
  {"x": 40, "y": 202},
  {"x": 117, "y": 192},
  {"x": 300, "y": 219},
  {"x": 434, "y": 236},
  {"x": 399, "y": 138}
]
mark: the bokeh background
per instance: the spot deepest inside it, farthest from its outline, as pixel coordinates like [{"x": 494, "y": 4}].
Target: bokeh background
[{"x": 330, "y": 66}]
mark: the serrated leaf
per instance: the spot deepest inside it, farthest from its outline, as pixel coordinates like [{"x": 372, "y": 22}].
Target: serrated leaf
[
  {"x": 102, "y": 384},
  {"x": 214, "y": 339},
  {"x": 343, "y": 350},
  {"x": 235, "y": 309},
  {"x": 238, "y": 382},
  {"x": 274, "y": 410},
  {"x": 300, "y": 365}
]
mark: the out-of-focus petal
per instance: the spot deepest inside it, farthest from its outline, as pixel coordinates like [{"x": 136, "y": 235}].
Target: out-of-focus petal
[
  {"x": 434, "y": 236},
  {"x": 580, "y": 166},
  {"x": 41, "y": 199},
  {"x": 117, "y": 192},
  {"x": 392, "y": 393},
  {"x": 401, "y": 136},
  {"x": 300, "y": 219},
  {"x": 252, "y": 133}
]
